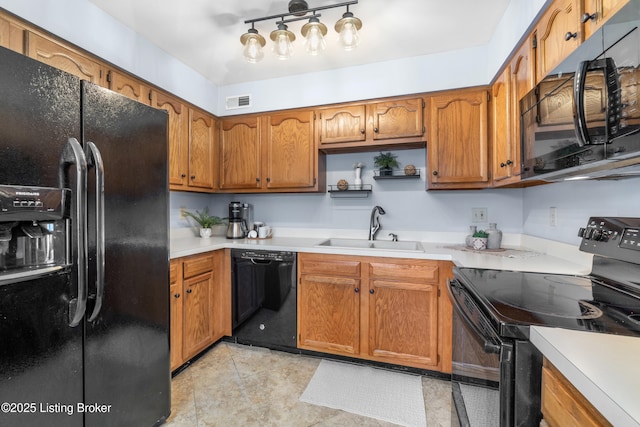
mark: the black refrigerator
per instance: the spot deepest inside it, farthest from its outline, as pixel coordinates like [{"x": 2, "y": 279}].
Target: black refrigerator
[{"x": 84, "y": 253}]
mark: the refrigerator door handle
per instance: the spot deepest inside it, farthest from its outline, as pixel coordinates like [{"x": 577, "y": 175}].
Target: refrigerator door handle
[
  {"x": 94, "y": 159},
  {"x": 72, "y": 155}
]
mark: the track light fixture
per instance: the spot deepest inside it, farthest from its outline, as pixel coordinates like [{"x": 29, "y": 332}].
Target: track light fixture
[{"x": 313, "y": 31}]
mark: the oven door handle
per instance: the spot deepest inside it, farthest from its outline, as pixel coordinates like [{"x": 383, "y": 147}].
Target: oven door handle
[{"x": 491, "y": 344}]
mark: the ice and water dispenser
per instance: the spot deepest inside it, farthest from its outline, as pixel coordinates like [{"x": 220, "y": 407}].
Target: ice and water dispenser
[{"x": 34, "y": 229}]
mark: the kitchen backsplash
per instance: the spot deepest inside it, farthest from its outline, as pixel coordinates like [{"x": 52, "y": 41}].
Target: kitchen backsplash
[{"x": 410, "y": 208}]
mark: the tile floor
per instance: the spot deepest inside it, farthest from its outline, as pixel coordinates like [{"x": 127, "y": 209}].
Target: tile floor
[{"x": 236, "y": 385}]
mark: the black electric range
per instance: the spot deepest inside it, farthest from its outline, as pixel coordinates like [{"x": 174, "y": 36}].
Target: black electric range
[{"x": 494, "y": 309}]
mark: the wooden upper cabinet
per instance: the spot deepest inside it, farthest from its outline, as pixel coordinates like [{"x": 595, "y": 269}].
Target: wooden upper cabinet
[
  {"x": 129, "y": 86},
  {"x": 73, "y": 62},
  {"x": 239, "y": 153},
  {"x": 398, "y": 119},
  {"x": 558, "y": 33},
  {"x": 343, "y": 124},
  {"x": 522, "y": 81},
  {"x": 290, "y": 151},
  {"x": 597, "y": 12},
  {"x": 202, "y": 127},
  {"x": 458, "y": 140},
  {"x": 502, "y": 158},
  {"x": 11, "y": 34},
  {"x": 178, "y": 122},
  {"x": 391, "y": 123}
]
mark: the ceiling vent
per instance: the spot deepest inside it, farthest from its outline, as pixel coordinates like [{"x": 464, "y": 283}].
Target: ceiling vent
[{"x": 240, "y": 101}]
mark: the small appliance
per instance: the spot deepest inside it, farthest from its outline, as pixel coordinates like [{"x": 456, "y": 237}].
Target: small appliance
[{"x": 239, "y": 214}]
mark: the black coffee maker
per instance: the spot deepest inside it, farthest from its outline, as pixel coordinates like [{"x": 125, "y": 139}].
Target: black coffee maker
[{"x": 238, "y": 220}]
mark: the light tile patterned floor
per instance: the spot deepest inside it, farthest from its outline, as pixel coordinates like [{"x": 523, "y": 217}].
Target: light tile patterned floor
[{"x": 236, "y": 385}]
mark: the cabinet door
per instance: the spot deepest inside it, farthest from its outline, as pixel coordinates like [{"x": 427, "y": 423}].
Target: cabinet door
[
  {"x": 398, "y": 119},
  {"x": 11, "y": 35},
  {"x": 597, "y": 12},
  {"x": 240, "y": 157},
  {"x": 329, "y": 314},
  {"x": 403, "y": 322},
  {"x": 558, "y": 34},
  {"x": 129, "y": 86},
  {"x": 52, "y": 53},
  {"x": 458, "y": 143},
  {"x": 344, "y": 124},
  {"x": 501, "y": 126},
  {"x": 201, "y": 146},
  {"x": 197, "y": 331},
  {"x": 178, "y": 120},
  {"x": 176, "y": 310},
  {"x": 290, "y": 151},
  {"x": 521, "y": 82}
]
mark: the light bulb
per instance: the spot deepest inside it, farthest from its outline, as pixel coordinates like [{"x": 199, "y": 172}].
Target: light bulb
[
  {"x": 349, "y": 36},
  {"x": 314, "y": 43},
  {"x": 253, "y": 50}
]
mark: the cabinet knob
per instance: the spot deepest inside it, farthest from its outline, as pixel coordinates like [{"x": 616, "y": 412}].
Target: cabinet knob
[
  {"x": 356, "y": 290},
  {"x": 184, "y": 175},
  {"x": 435, "y": 173},
  {"x": 362, "y": 131},
  {"x": 257, "y": 179},
  {"x": 509, "y": 162},
  {"x": 570, "y": 36},
  {"x": 375, "y": 130},
  {"x": 193, "y": 177},
  {"x": 588, "y": 17},
  {"x": 268, "y": 179},
  {"x": 189, "y": 291},
  {"x": 371, "y": 291},
  {"x": 503, "y": 165},
  {"x": 176, "y": 296}
]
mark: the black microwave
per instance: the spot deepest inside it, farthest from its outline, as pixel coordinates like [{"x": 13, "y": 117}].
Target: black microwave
[{"x": 583, "y": 120}]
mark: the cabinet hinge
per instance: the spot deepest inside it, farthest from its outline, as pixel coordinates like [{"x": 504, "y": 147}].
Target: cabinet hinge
[
  {"x": 424, "y": 104},
  {"x": 109, "y": 77},
  {"x": 150, "y": 96},
  {"x": 488, "y": 97},
  {"x": 424, "y": 129},
  {"x": 438, "y": 359},
  {"x": 100, "y": 73},
  {"x": 314, "y": 181},
  {"x": 534, "y": 42}
]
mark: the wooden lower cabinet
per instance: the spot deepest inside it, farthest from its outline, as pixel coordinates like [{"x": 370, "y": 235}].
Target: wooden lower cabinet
[
  {"x": 389, "y": 310},
  {"x": 563, "y": 405},
  {"x": 200, "y": 304}
]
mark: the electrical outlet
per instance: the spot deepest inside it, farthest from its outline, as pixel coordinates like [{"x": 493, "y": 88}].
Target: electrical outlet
[
  {"x": 478, "y": 214},
  {"x": 553, "y": 216}
]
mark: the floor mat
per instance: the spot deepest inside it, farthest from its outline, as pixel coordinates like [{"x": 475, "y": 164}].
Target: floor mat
[{"x": 394, "y": 397}]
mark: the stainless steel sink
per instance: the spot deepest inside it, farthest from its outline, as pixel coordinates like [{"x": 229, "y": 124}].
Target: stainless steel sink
[{"x": 380, "y": 245}]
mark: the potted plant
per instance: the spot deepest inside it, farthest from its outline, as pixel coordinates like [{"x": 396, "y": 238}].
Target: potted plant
[
  {"x": 205, "y": 221},
  {"x": 386, "y": 162},
  {"x": 479, "y": 240}
]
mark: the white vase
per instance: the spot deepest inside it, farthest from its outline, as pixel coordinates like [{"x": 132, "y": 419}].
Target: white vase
[
  {"x": 205, "y": 233},
  {"x": 495, "y": 237},
  {"x": 357, "y": 185}
]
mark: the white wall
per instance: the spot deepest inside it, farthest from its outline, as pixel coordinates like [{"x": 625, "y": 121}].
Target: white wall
[
  {"x": 447, "y": 70},
  {"x": 575, "y": 202},
  {"x": 87, "y": 26},
  {"x": 409, "y": 207}
]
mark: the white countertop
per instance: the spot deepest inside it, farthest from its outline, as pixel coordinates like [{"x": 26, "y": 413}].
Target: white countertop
[
  {"x": 605, "y": 368},
  {"x": 528, "y": 254}
]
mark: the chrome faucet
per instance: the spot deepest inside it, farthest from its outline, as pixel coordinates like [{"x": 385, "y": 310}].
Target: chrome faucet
[{"x": 374, "y": 223}]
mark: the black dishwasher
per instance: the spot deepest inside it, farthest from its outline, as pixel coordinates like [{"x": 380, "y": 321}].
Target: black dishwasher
[{"x": 264, "y": 301}]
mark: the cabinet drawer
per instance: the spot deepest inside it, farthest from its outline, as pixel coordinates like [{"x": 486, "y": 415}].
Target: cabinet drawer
[
  {"x": 332, "y": 266},
  {"x": 198, "y": 264},
  {"x": 408, "y": 271}
]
